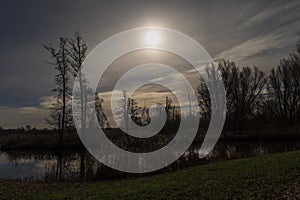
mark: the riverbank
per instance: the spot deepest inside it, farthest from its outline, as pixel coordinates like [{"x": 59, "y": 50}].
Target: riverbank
[
  {"x": 47, "y": 140},
  {"x": 275, "y": 176}
]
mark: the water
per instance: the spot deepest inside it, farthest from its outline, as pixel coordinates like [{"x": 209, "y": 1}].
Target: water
[{"x": 80, "y": 165}]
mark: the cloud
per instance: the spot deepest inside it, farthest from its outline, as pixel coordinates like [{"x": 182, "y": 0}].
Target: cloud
[
  {"x": 12, "y": 117},
  {"x": 47, "y": 101},
  {"x": 282, "y": 11},
  {"x": 28, "y": 110},
  {"x": 253, "y": 32},
  {"x": 283, "y": 36},
  {"x": 268, "y": 33}
]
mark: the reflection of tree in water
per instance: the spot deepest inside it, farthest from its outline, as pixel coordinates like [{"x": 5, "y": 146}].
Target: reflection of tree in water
[{"x": 81, "y": 166}]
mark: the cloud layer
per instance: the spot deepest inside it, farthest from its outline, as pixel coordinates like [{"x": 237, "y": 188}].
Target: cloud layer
[{"x": 250, "y": 33}]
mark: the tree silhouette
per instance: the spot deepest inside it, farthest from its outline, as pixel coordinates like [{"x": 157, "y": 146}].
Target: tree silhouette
[
  {"x": 243, "y": 91},
  {"x": 77, "y": 49},
  {"x": 134, "y": 110},
  {"x": 101, "y": 116},
  {"x": 283, "y": 98},
  {"x": 61, "y": 64}
]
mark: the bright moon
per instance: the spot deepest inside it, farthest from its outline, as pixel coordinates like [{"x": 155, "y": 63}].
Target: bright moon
[{"x": 152, "y": 38}]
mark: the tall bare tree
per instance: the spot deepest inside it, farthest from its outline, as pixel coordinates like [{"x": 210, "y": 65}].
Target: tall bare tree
[
  {"x": 62, "y": 66},
  {"x": 283, "y": 99},
  {"x": 77, "y": 49},
  {"x": 243, "y": 91}
]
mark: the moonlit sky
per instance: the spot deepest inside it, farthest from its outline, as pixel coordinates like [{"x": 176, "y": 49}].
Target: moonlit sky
[{"x": 247, "y": 32}]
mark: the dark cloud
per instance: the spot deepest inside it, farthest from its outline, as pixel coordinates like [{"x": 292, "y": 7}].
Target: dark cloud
[{"x": 250, "y": 32}]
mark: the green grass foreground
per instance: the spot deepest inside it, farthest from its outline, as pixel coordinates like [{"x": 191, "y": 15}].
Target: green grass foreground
[{"x": 274, "y": 176}]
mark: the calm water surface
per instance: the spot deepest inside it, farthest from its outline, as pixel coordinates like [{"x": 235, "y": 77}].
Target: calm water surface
[{"x": 76, "y": 166}]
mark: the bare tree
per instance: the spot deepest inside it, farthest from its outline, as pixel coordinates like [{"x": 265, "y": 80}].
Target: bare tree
[
  {"x": 243, "y": 90},
  {"x": 168, "y": 107},
  {"x": 62, "y": 66},
  {"x": 250, "y": 86},
  {"x": 134, "y": 110},
  {"x": 283, "y": 98},
  {"x": 123, "y": 113},
  {"x": 101, "y": 116},
  {"x": 77, "y": 49},
  {"x": 145, "y": 115}
]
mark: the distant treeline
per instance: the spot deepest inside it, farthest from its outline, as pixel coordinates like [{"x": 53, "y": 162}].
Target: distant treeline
[{"x": 256, "y": 101}]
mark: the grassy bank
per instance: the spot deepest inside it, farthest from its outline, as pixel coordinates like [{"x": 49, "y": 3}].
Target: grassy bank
[{"x": 274, "y": 176}]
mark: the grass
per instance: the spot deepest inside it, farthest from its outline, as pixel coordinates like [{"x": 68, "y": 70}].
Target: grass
[{"x": 274, "y": 176}]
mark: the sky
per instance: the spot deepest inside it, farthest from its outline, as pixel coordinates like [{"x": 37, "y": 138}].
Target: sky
[{"x": 247, "y": 32}]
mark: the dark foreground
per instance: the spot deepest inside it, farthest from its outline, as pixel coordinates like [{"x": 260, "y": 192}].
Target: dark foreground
[{"x": 274, "y": 176}]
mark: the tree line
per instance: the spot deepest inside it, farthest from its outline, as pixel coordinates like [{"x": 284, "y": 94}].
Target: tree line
[{"x": 251, "y": 94}]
